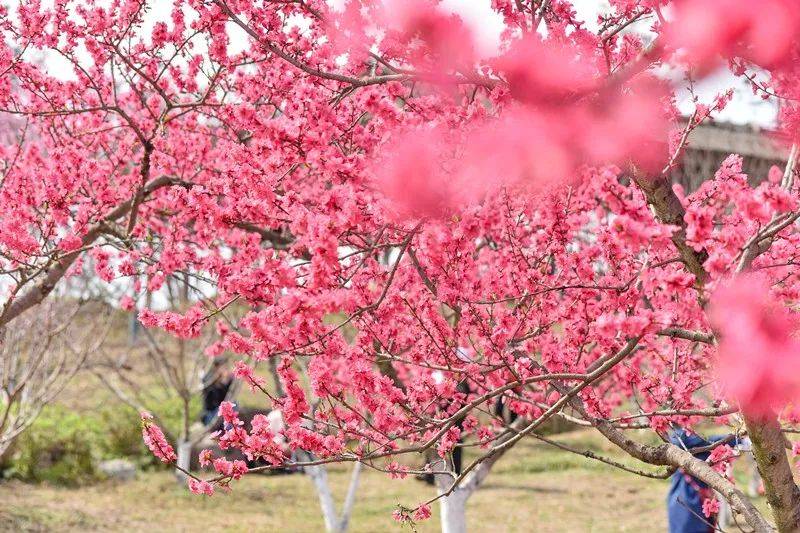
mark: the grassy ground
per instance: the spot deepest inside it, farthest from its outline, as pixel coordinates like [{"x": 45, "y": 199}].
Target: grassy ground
[{"x": 534, "y": 488}]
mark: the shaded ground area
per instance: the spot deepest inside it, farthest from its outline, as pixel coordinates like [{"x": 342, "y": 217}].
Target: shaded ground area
[{"x": 534, "y": 488}]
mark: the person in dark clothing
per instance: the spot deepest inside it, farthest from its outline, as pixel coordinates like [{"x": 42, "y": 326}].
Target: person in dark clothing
[
  {"x": 216, "y": 384},
  {"x": 686, "y": 494},
  {"x": 503, "y": 413}
]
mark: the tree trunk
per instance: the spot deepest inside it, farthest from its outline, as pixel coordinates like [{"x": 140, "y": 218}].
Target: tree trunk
[
  {"x": 769, "y": 449},
  {"x": 453, "y": 512},
  {"x": 768, "y": 442},
  {"x": 669, "y": 210},
  {"x": 184, "y": 453},
  {"x": 319, "y": 475},
  {"x": 350, "y": 499},
  {"x": 453, "y": 507},
  {"x": 334, "y": 523}
]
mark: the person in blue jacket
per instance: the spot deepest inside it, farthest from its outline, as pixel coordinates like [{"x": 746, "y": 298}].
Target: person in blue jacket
[{"x": 686, "y": 494}]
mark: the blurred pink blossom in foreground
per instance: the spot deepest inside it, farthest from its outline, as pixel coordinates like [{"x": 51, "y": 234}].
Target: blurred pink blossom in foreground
[
  {"x": 763, "y": 32},
  {"x": 758, "y": 352}
]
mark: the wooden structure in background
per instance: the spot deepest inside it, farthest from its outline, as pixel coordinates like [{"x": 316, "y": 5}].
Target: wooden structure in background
[{"x": 710, "y": 143}]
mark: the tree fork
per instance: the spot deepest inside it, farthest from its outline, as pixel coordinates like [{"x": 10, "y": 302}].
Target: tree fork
[{"x": 769, "y": 447}]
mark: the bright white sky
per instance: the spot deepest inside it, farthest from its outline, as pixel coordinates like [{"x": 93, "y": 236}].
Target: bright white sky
[{"x": 744, "y": 108}]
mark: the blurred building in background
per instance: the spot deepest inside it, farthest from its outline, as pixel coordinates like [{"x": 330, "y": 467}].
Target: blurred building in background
[{"x": 712, "y": 142}]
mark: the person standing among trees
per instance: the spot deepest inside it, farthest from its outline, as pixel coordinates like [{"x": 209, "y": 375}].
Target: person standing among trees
[{"x": 216, "y": 384}]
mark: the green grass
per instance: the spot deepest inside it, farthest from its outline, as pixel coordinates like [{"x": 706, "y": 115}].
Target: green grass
[{"x": 533, "y": 488}]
